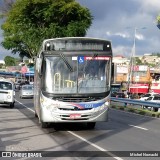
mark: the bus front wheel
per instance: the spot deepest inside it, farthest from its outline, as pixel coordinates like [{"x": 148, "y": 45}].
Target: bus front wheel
[
  {"x": 91, "y": 125},
  {"x": 44, "y": 124}
]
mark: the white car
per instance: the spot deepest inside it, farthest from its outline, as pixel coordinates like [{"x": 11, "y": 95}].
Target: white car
[
  {"x": 154, "y": 98},
  {"x": 144, "y": 97},
  {"x": 26, "y": 91},
  {"x": 7, "y": 92}
]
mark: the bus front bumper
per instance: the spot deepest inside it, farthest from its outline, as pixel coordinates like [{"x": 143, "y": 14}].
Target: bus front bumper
[{"x": 47, "y": 115}]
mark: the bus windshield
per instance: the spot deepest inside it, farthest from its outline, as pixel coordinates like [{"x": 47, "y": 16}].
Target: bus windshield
[{"x": 90, "y": 74}]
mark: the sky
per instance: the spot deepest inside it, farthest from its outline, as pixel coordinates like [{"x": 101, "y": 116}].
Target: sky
[{"x": 117, "y": 21}]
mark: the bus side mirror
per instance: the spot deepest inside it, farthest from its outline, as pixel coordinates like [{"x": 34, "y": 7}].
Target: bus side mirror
[
  {"x": 112, "y": 73},
  {"x": 38, "y": 65}
]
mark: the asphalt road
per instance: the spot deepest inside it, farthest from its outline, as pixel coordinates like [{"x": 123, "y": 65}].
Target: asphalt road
[{"x": 20, "y": 131}]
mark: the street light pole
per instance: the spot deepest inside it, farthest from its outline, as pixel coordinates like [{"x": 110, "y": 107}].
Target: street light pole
[
  {"x": 133, "y": 52},
  {"x": 132, "y": 58},
  {"x": 134, "y": 44}
]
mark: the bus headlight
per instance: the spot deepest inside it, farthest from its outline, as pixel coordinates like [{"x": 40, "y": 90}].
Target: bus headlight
[
  {"x": 48, "y": 104},
  {"x": 102, "y": 107},
  {"x": 107, "y": 103}
]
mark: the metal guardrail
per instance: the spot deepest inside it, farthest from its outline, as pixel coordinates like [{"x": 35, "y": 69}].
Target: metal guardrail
[{"x": 136, "y": 102}]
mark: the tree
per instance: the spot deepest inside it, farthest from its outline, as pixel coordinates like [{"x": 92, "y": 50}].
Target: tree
[
  {"x": 158, "y": 19},
  {"x": 28, "y": 23},
  {"x": 10, "y": 61},
  {"x": 138, "y": 61}
]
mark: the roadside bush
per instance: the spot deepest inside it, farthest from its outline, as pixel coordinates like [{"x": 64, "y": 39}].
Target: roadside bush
[
  {"x": 131, "y": 109},
  {"x": 153, "y": 115},
  {"x": 113, "y": 106},
  {"x": 138, "y": 111},
  {"x": 141, "y": 112},
  {"x": 121, "y": 108}
]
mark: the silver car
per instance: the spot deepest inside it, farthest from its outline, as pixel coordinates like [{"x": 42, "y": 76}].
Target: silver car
[{"x": 26, "y": 91}]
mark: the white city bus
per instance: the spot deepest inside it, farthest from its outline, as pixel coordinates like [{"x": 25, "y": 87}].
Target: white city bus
[{"x": 72, "y": 81}]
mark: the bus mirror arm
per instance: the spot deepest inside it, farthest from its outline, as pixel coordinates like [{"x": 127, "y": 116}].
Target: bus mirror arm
[{"x": 38, "y": 65}]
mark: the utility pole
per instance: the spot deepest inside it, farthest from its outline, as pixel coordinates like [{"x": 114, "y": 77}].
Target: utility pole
[{"x": 133, "y": 53}]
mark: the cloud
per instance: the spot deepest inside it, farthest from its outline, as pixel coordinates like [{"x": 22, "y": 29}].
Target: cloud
[
  {"x": 123, "y": 35},
  {"x": 139, "y": 36},
  {"x": 116, "y": 20},
  {"x": 122, "y": 50},
  {"x": 150, "y": 6}
]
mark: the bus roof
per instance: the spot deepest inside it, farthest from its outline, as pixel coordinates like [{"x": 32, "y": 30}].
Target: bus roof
[
  {"x": 76, "y": 44},
  {"x": 66, "y": 38}
]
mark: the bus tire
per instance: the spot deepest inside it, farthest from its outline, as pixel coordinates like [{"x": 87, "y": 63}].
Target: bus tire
[
  {"x": 91, "y": 125},
  {"x": 44, "y": 124}
]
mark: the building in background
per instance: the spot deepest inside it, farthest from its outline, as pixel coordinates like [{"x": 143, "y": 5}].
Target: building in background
[
  {"x": 2, "y": 62},
  {"x": 140, "y": 79}
]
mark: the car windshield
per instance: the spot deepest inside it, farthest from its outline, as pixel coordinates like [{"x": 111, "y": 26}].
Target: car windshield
[
  {"x": 146, "y": 95},
  {"x": 156, "y": 98},
  {"x": 88, "y": 74},
  {"x": 27, "y": 88},
  {"x": 5, "y": 85},
  {"x": 150, "y": 98}
]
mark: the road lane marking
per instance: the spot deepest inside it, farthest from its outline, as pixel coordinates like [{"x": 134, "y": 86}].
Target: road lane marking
[
  {"x": 95, "y": 146},
  {"x": 25, "y": 106},
  {"x": 83, "y": 139},
  {"x": 138, "y": 127}
]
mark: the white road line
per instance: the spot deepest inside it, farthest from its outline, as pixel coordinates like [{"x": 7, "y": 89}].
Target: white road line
[
  {"x": 96, "y": 146},
  {"x": 83, "y": 139},
  {"x": 25, "y": 106},
  {"x": 138, "y": 127}
]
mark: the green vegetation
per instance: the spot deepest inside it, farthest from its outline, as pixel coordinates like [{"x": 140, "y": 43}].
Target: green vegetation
[
  {"x": 10, "y": 61},
  {"x": 28, "y": 22},
  {"x": 158, "y": 19},
  {"x": 137, "y": 110},
  {"x": 138, "y": 61}
]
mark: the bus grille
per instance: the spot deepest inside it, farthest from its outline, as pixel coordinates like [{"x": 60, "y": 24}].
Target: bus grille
[
  {"x": 75, "y": 109},
  {"x": 78, "y": 99}
]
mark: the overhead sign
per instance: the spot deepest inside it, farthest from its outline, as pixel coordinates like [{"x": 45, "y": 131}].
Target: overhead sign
[{"x": 97, "y": 58}]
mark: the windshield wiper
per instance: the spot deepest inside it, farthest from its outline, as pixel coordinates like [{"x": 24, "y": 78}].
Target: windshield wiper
[
  {"x": 66, "y": 62},
  {"x": 92, "y": 58}
]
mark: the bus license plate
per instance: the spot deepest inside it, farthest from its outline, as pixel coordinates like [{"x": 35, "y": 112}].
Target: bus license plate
[{"x": 75, "y": 116}]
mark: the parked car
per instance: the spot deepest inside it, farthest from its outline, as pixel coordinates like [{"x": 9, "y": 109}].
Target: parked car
[
  {"x": 118, "y": 95},
  {"x": 145, "y": 96},
  {"x": 7, "y": 92},
  {"x": 26, "y": 91},
  {"x": 153, "y": 98}
]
